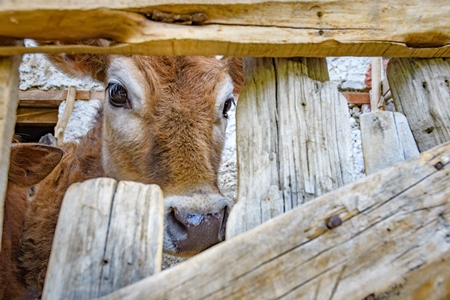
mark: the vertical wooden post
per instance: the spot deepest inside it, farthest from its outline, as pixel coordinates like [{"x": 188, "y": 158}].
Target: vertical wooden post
[
  {"x": 109, "y": 235},
  {"x": 9, "y": 99},
  {"x": 293, "y": 139},
  {"x": 421, "y": 91},
  {"x": 376, "y": 84},
  {"x": 60, "y": 127}
]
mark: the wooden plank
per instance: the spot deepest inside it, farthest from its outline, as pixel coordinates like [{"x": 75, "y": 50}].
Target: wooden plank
[
  {"x": 393, "y": 240},
  {"x": 312, "y": 28},
  {"x": 386, "y": 140},
  {"x": 9, "y": 80},
  {"x": 118, "y": 231},
  {"x": 37, "y": 116},
  {"x": 293, "y": 141},
  {"x": 60, "y": 127},
  {"x": 421, "y": 91},
  {"x": 37, "y": 98}
]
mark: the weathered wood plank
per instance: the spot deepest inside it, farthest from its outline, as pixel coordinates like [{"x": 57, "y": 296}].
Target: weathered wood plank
[
  {"x": 293, "y": 141},
  {"x": 386, "y": 140},
  {"x": 394, "y": 232},
  {"x": 37, "y": 98},
  {"x": 312, "y": 28},
  {"x": 108, "y": 236},
  {"x": 60, "y": 127},
  {"x": 421, "y": 91},
  {"x": 9, "y": 81},
  {"x": 37, "y": 116}
]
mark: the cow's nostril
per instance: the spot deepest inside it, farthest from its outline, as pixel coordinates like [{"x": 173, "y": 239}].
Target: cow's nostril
[
  {"x": 223, "y": 227},
  {"x": 177, "y": 230}
]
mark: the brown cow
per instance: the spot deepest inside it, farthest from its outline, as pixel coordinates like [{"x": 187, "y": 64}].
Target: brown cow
[
  {"x": 163, "y": 122},
  {"x": 29, "y": 164}
]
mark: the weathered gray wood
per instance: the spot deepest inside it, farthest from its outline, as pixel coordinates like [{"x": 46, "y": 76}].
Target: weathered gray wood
[
  {"x": 421, "y": 91},
  {"x": 293, "y": 141},
  {"x": 393, "y": 241},
  {"x": 108, "y": 236},
  {"x": 282, "y": 28},
  {"x": 9, "y": 81},
  {"x": 386, "y": 140}
]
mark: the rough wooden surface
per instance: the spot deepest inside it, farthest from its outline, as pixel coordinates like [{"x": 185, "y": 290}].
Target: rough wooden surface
[
  {"x": 421, "y": 91},
  {"x": 293, "y": 141},
  {"x": 394, "y": 240},
  {"x": 38, "y": 98},
  {"x": 60, "y": 127},
  {"x": 313, "y": 28},
  {"x": 386, "y": 140},
  {"x": 108, "y": 236},
  {"x": 9, "y": 81},
  {"x": 37, "y": 116}
]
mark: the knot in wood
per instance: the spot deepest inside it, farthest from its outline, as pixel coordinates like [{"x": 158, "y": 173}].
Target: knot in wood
[{"x": 334, "y": 222}]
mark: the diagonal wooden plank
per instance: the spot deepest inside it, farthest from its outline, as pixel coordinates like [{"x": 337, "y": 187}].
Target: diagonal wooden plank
[{"x": 393, "y": 240}]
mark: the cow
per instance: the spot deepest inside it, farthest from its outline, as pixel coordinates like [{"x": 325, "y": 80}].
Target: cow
[
  {"x": 29, "y": 164},
  {"x": 162, "y": 122}
]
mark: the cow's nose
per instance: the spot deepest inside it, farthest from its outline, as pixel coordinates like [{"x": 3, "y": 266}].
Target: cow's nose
[{"x": 192, "y": 233}]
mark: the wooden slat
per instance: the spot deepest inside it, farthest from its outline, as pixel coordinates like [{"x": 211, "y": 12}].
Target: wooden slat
[
  {"x": 60, "y": 127},
  {"x": 37, "y": 116},
  {"x": 421, "y": 91},
  {"x": 9, "y": 80},
  {"x": 313, "y": 28},
  {"x": 293, "y": 141},
  {"x": 109, "y": 235},
  {"x": 37, "y": 98},
  {"x": 386, "y": 140},
  {"x": 393, "y": 242}
]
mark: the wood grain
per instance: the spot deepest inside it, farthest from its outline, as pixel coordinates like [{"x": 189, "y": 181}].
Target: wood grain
[
  {"x": 293, "y": 141},
  {"x": 421, "y": 91},
  {"x": 312, "y": 28},
  {"x": 108, "y": 236},
  {"x": 393, "y": 241},
  {"x": 9, "y": 81},
  {"x": 386, "y": 140}
]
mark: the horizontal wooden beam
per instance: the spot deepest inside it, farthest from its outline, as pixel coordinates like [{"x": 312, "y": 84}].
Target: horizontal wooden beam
[
  {"x": 384, "y": 235},
  {"x": 52, "y": 99},
  {"x": 312, "y": 28},
  {"x": 37, "y": 116}
]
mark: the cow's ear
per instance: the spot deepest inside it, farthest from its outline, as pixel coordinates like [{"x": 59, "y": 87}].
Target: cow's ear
[
  {"x": 236, "y": 71},
  {"x": 31, "y": 163},
  {"x": 81, "y": 65}
]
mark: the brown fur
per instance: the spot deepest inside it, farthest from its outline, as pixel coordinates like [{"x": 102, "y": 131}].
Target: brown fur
[
  {"x": 28, "y": 165},
  {"x": 173, "y": 145}
]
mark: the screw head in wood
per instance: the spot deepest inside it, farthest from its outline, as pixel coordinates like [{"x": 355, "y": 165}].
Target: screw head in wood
[
  {"x": 334, "y": 222},
  {"x": 438, "y": 165}
]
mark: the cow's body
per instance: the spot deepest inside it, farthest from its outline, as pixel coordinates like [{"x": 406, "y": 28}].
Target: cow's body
[
  {"x": 29, "y": 164},
  {"x": 163, "y": 122}
]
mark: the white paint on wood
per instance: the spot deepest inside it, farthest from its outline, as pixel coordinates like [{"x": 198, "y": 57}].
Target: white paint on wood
[
  {"x": 9, "y": 81},
  {"x": 393, "y": 241},
  {"x": 421, "y": 91},
  {"x": 386, "y": 140},
  {"x": 293, "y": 141},
  {"x": 108, "y": 236}
]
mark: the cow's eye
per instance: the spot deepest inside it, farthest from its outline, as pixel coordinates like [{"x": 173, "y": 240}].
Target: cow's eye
[
  {"x": 118, "y": 96},
  {"x": 227, "y": 106}
]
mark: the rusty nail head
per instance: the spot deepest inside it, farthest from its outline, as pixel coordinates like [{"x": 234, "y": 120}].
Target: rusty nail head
[
  {"x": 438, "y": 165},
  {"x": 334, "y": 222}
]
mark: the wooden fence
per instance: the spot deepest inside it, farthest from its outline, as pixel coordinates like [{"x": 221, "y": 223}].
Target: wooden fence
[{"x": 330, "y": 237}]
